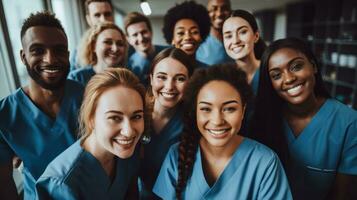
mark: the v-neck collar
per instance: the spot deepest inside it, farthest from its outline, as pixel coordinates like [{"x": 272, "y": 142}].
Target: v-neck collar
[
  {"x": 176, "y": 118},
  {"x": 54, "y": 125},
  {"x": 223, "y": 178},
  {"x": 321, "y": 115}
]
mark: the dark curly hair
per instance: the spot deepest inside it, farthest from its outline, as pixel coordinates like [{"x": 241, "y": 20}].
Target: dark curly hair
[
  {"x": 44, "y": 18},
  {"x": 267, "y": 124},
  {"x": 186, "y": 10},
  {"x": 190, "y": 137}
]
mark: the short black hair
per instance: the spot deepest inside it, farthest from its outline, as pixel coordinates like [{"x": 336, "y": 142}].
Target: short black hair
[
  {"x": 43, "y": 18},
  {"x": 186, "y": 10}
]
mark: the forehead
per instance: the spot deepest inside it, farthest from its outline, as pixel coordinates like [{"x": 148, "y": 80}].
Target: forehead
[
  {"x": 170, "y": 66},
  {"x": 233, "y": 23},
  {"x": 185, "y": 23},
  {"x": 95, "y": 7},
  {"x": 110, "y": 33},
  {"x": 283, "y": 56},
  {"x": 120, "y": 98},
  {"x": 217, "y": 3},
  {"x": 218, "y": 91},
  {"x": 137, "y": 27},
  {"x": 47, "y": 36}
]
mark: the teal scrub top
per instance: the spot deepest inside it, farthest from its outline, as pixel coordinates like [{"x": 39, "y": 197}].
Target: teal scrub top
[
  {"x": 254, "y": 172},
  {"x": 326, "y": 146},
  {"x": 27, "y": 132},
  {"x": 82, "y": 75},
  {"x": 155, "y": 152},
  {"x": 77, "y": 174},
  {"x": 212, "y": 51}
]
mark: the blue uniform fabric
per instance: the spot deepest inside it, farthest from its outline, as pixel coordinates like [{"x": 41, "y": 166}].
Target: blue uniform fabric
[
  {"x": 82, "y": 75},
  {"x": 212, "y": 51},
  {"x": 77, "y": 174},
  {"x": 254, "y": 172},
  {"x": 326, "y": 146},
  {"x": 140, "y": 65},
  {"x": 155, "y": 152},
  {"x": 33, "y": 136}
]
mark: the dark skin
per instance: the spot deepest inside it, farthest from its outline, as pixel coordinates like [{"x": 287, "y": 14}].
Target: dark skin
[
  {"x": 45, "y": 52},
  {"x": 288, "y": 69}
]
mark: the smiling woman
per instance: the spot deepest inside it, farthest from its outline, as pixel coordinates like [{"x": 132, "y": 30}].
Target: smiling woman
[
  {"x": 104, "y": 162},
  {"x": 212, "y": 161},
  {"x": 103, "y": 46}
]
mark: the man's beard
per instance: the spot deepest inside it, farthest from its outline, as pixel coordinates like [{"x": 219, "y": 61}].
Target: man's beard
[{"x": 42, "y": 83}]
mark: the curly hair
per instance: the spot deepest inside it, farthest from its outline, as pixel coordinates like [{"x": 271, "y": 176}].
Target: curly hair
[
  {"x": 260, "y": 45},
  {"x": 186, "y": 10},
  {"x": 190, "y": 137},
  {"x": 43, "y": 18},
  {"x": 86, "y": 54},
  {"x": 267, "y": 124}
]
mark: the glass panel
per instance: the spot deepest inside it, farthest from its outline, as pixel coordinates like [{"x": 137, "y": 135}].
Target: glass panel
[{"x": 16, "y": 12}]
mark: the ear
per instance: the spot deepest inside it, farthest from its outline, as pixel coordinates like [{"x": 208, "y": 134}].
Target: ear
[
  {"x": 257, "y": 36},
  {"x": 173, "y": 43},
  {"x": 22, "y": 56},
  {"x": 88, "y": 20},
  {"x": 151, "y": 79}
]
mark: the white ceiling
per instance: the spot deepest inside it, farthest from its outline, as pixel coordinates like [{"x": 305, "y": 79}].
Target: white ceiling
[{"x": 159, "y": 7}]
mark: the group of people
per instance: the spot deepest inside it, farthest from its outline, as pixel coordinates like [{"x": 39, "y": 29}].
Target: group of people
[{"x": 216, "y": 114}]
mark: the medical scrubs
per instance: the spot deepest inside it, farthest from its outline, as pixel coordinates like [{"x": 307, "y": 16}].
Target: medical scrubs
[
  {"x": 212, "y": 51},
  {"x": 82, "y": 75}
]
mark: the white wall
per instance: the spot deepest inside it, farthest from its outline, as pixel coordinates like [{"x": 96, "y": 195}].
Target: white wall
[
  {"x": 157, "y": 23},
  {"x": 280, "y": 25}
]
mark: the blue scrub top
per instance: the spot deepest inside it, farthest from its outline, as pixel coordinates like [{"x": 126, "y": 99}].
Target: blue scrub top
[
  {"x": 254, "y": 172},
  {"x": 140, "y": 65},
  {"x": 212, "y": 51},
  {"x": 155, "y": 152},
  {"x": 77, "y": 174},
  {"x": 33, "y": 136},
  {"x": 82, "y": 75},
  {"x": 326, "y": 146}
]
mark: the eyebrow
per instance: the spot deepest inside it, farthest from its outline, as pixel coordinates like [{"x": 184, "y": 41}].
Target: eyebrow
[
  {"x": 182, "y": 27},
  {"x": 121, "y": 113},
  {"x": 225, "y": 103},
  {"x": 238, "y": 29},
  {"x": 289, "y": 63}
]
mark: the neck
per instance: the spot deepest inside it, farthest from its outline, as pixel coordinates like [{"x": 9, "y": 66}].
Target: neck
[
  {"x": 217, "y": 33},
  {"x": 47, "y": 100},
  {"x": 307, "y": 109},
  {"x": 106, "y": 159},
  {"x": 160, "y": 111},
  {"x": 249, "y": 65},
  {"x": 99, "y": 67},
  {"x": 221, "y": 152},
  {"x": 148, "y": 53}
]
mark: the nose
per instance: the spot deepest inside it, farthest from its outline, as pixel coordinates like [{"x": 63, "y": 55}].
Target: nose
[
  {"x": 114, "y": 47},
  {"x": 289, "y": 77},
  {"x": 236, "y": 38},
  {"x": 187, "y": 35},
  {"x": 49, "y": 57},
  {"x": 169, "y": 84},
  {"x": 140, "y": 37},
  {"x": 102, "y": 18},
  {"x": 127, "y": 128},
  {"x": 217, "y": 118}
]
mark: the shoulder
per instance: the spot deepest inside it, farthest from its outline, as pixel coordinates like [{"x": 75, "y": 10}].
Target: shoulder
[
  {"x": 341, "y": 110},
  {"x": 159, "y": 48},
  {"x": 257, "y": 152},
  {"x": 9, "y": 105},
  {"x": 81, "y": 72},
  {"x": 64, "y": 165}
]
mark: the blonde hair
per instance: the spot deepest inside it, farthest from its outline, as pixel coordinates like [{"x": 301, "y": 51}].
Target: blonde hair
[
  {"x": 86, "y": 54},
  {"x": 98, "y": 84}
]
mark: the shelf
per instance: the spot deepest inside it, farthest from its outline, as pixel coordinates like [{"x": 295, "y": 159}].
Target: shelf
[{"x": 338, "y": 83}]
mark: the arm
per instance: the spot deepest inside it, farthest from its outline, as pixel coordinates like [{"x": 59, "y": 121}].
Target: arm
[
  {"x": 52, "y": 188},
  {"x": 133, "y": 191},
  {"x": 7, "y": 184}
]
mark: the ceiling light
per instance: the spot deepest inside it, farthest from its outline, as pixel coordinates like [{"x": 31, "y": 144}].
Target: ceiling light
[{"x": 145, "y": 7}]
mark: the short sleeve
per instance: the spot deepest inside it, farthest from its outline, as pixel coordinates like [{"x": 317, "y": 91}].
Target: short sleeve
[
  {"x": 52, "y": 188},
  {"x": 6, "y": 153},
  {"x": 348, "y": 163},
  {"x": 165, "y": 183},
  {"x": 274, "y": 184}
]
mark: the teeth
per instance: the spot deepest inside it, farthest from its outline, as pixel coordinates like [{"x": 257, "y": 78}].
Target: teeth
[
  {"x": 217, "y": 132},
  {"x": 124, "y": 141},
  {"x": 51, "y": 70},
  {"x": 295, "y": 90},
  {"x": 168, "y": 95},
  {"x": 237, "y": 49},
  {"x": 187, "y": 45}
]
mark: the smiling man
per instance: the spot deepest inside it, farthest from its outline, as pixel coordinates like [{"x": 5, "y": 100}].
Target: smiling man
[
  {"x": 211, "y": 51},
  {"x": 39, "y": 120},
  {"x": 139, "y": 34}
]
